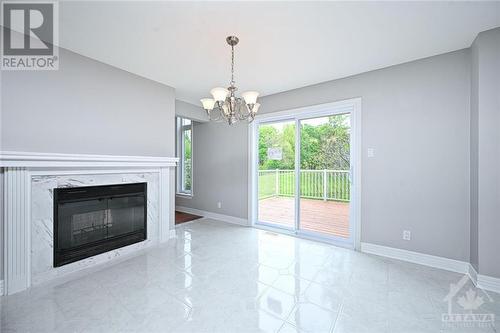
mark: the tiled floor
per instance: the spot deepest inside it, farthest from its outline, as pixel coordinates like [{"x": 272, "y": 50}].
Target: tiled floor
[{"x": 217, "y": 277}]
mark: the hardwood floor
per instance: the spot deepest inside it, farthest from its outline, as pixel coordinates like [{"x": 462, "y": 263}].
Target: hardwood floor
[
  {"x": 327, "y": 217},
  {"x": 181, "y": 217}
]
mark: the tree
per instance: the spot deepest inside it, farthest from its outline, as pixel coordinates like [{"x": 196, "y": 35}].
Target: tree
[
  {"x": 268, "y": 137},
  {"x": 323, "y": 146},
  {"x": 187, "y": 159}
]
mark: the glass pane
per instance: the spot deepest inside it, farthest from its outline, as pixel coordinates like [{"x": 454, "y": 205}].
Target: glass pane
[
  {"x": 82, "y": 222},
  {"x": 85, "y": 222},
  {"x": 277, "y": 173},
  {"x": 186, "y": 163},
  {"x": 324, "y": 175},
  {"x": 125, "y": 215}
]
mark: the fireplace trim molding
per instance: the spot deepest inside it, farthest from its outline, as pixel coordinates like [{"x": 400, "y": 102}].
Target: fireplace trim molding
[
  {"x": 41, "y": 160},
  {"x": 20, "y": 167}
]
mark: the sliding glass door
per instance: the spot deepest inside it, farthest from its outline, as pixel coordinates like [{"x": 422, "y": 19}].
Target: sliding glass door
[{"x": 303, "y": 181}]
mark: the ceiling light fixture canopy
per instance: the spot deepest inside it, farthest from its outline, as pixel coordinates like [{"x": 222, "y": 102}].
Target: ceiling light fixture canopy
[{"x": 224, "y": 105}]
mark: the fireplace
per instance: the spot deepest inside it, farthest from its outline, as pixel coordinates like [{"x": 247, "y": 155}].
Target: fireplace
[{"x": 95, "y": 219}]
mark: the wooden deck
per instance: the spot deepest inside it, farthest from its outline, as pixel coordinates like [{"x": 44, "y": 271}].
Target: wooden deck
[{"x": 327, "y": 217}]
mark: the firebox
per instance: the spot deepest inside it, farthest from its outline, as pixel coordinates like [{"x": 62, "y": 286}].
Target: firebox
[{"x": 95, "y": 219}]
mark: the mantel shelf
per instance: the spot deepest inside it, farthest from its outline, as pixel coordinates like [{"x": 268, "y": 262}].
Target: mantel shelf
[{"x": 45, "y": 160}]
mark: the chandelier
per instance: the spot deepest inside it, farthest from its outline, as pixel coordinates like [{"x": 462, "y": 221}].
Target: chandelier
[{"x": 225, "y": 106}]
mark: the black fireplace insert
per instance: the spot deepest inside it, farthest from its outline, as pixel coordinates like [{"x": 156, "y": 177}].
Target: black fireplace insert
[{"x": 96, "y": 219}]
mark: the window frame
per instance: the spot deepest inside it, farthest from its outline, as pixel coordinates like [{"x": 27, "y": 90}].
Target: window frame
[{"x": 180, "y": 152}]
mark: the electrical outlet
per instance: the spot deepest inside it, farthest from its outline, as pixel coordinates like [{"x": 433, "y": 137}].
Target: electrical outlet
[
  {"x": 370, "y": 152},
  {"x": 407, "y": 235},
  {"x": 219, "y": 204}
]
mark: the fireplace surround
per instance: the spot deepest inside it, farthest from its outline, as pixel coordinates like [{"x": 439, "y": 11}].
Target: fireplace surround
[
  {"x": 91, "y": 220},
  {"x": 29, "y": 182}
]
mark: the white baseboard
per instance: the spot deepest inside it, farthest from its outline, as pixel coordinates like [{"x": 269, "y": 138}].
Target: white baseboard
[
  {"x": 416, "y": 258},
  {"x": 472, "y": 274},
  {"x": 1, "y": 287},
  {"x": 481, "y": 281},
  {"x": 488, "y": 283},
  {"x": 215, "y": 216}
]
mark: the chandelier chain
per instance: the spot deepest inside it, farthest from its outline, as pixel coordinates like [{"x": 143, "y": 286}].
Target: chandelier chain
[{"x": 232, "y": 66}]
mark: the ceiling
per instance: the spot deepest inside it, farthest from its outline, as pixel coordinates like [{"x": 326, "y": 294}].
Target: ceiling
[{"x": 283, "y": 45}]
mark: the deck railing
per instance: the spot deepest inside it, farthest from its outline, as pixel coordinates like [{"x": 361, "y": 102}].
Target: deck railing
[{"x": 314, "y": 184}]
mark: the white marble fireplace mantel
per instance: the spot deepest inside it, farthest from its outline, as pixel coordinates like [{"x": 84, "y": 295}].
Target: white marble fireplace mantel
[{"x": 27, "y": 178}]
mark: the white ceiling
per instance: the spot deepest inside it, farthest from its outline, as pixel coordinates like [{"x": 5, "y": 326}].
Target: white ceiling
[{"x": 283, "y": 45}]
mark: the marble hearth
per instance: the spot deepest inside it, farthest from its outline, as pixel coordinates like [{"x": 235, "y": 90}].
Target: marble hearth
[{"x": 29, "y": 182}]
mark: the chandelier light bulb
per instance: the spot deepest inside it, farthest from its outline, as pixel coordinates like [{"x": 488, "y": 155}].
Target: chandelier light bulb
[
  {"x": 208, "y": 103},
  {"x": 250, "y": 97},
  {"x": 219, "y": 94}
]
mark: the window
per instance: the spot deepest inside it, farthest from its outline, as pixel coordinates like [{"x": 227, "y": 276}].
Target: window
[{"x": 185, "y": 154}]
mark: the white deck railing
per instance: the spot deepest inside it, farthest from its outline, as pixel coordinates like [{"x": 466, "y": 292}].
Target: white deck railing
[{"x": 314, "y": 184}]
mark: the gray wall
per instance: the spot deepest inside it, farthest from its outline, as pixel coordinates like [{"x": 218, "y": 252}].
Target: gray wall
[
  {"x": 190, "y": 111},
  {"x": 474, "y": 158},
  {"x": 86, "y": 107},
  {"x": 415, "y": 115},
  {"x": 487, "y": 141},
  {"x": 220, "y": 169},
  {"x": 1, "y": 224}
]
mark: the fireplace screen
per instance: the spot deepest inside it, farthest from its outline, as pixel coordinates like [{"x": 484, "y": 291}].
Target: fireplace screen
[{"x": 95, "y": 219}]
